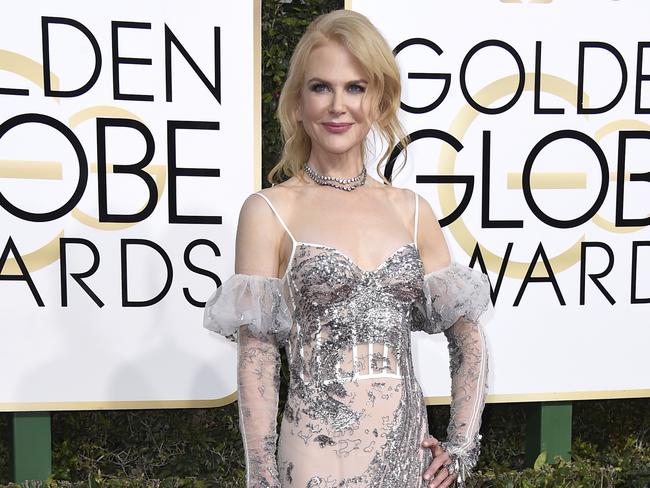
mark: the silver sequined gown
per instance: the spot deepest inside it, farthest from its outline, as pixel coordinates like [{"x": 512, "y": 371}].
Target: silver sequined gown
[{"x": 355, "y": 415}]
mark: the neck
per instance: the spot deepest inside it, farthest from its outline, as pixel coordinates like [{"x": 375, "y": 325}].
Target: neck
[{"x": 347, "y": 165}]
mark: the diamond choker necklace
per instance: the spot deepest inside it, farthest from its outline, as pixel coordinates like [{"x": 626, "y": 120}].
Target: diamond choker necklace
[{"x": 347, "y": 184}]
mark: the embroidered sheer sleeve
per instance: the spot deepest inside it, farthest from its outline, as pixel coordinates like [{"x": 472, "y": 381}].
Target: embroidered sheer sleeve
[
  {"x": 454, "y": 298},
  {"x": 255, "y": 301},
  {"x": 252, "y": 311}
]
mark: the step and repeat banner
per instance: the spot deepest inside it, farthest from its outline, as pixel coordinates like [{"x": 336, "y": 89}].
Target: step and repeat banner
[
  {"x": 129, "y": 137},
  {"x": 530, "y": 128}
]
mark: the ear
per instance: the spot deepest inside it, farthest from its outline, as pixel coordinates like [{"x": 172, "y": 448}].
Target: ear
[
  {"x": 374, "y": 115},
  {"x": 375, "y": 110},
  {"x": 372, "y": 100},
  {"x": 298, "y": 111}
]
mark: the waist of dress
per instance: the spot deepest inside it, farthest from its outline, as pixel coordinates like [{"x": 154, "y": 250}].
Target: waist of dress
[
  {"x": 360, "y": 377},
  {"x": 360, "y": 362}
]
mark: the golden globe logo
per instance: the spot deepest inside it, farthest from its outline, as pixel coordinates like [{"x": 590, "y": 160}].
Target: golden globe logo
[
  {"x": 111, "y": 123},
  {"x": 507, "y": 91}
]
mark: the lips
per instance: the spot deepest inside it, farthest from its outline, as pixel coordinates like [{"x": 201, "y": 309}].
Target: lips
[{"x": 337, "y": 127}]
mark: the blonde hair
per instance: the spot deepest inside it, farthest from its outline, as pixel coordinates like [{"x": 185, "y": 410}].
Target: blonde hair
[{"x": 364, "y": 42}]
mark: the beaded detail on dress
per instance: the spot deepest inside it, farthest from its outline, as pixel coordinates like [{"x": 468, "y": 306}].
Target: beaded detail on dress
[{"x": 355, "y": 415}]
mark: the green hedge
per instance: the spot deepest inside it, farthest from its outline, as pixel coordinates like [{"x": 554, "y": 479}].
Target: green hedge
[
  {"x": 282, "y": 26},
  {"x": 203, "y": 448}
]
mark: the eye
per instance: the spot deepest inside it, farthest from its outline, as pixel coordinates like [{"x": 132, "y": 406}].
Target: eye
[
  {"x": 318, "y": 87},
  {"x": 356, "y": 88}
]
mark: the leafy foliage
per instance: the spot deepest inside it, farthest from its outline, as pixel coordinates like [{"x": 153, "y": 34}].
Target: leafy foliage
[
  {"x": 202, "y": 448},
  {"x": 154, "y": 444},
  {"x": 282, "y": 25}
]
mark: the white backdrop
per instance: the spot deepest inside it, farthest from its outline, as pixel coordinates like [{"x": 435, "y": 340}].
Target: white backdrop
[
  {"x": 82, "y": 355},
  {"x": 540, "y": 348},
  {"x": 99, "y": 352}
]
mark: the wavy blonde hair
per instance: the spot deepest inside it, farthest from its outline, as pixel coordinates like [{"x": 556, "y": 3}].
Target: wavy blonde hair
[{"x": 362, "y": 39}]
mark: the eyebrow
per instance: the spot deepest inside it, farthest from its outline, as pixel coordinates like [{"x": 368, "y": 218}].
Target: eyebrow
[{"x": 359, "y": 81}]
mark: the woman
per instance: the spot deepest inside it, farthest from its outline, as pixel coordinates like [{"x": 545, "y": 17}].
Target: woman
[{"x": 339, "y": 268}]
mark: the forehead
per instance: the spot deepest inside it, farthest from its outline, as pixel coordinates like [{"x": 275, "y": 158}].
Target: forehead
[{"x": 331, "y": 61}]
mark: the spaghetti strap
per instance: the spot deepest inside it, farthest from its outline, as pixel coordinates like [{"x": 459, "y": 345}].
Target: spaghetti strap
[
  {"x": 417, "y": 212},
  {"x": 293, "y": 240}
]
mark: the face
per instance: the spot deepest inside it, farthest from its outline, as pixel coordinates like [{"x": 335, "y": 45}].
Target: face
[{"x": 334, "y": 106}]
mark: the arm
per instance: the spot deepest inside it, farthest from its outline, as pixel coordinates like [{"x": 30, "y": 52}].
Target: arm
[
  {"x": 454, "y": 298},
  {"x": 258, "y": 367},
  {"x": 250, "y": 308},
  {"x": 468, "y": 364},
  {"x": 258, "y": 382}
]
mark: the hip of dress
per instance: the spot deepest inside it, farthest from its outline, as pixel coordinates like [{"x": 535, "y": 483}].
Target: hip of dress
[{"x": 358, "y": 433}]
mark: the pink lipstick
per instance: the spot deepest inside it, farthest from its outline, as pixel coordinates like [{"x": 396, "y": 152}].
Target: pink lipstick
[{"x": 337, "y": 127}]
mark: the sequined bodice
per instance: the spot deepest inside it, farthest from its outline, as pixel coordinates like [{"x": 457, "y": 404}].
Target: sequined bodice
[
  {"x": 352, "y": 386},
  {"x": 350, "y": 323}
]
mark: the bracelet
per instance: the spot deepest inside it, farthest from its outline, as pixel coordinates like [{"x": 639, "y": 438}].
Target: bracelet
[{"x": 457, "y": 465}]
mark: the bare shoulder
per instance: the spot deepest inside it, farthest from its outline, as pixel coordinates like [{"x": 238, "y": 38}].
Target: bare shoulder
[
  {"x": 258, "y": 237},
  {"x": 405, "y": 200},
  {"x": 430, "y": 238},
  {"x": 261, "y": 212},
  {"x": 402, "y": 194},
  {"x": 284, "y": 195},
  {"x": 256, "y": 223},
  {"x": 426, "y": 211},
  {"x": 402, "y": 199},
  {"x": 254, "y": 207}
]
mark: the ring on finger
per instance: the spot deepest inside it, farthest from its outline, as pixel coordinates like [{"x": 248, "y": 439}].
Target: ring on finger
[{"x": 449, "y": 467}]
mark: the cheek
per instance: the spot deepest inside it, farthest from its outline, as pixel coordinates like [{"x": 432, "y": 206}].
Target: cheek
[
  {"x": 313, "y": 107},
  {"x": 365, "y": 111},
  {"x": 371, "y": 107}
]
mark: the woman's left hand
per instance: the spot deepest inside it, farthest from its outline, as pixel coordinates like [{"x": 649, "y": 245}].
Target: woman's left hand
[{"x": 437, "y": 468}]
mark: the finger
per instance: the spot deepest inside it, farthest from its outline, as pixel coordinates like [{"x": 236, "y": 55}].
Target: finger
[
  {"x": 440, "y": 482},
  {"x": 438, "y": 450},
  {"x": 442, "y": 479},
  {"x": 434, "y": 444},
  {"x": 448, "y": 482},
  {"x": 435, "y": 482},
  {"x": 435, "y": 465},
  {"x": 430, "y": 442}
]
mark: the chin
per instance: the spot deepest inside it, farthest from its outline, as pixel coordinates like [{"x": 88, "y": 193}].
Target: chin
[{"x": 339, "y": 148}]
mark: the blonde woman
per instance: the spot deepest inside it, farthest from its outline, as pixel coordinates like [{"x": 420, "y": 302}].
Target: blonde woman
[{"x": 339, "y": 268}]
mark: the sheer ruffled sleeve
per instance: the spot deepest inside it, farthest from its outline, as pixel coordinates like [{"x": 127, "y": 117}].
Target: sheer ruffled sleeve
[
  {"x": 255, "y": 301},
  {"x": 252, "y": 310},
  {"x": 453, "y": 300}
]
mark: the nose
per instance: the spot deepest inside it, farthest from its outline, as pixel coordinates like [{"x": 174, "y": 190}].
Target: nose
[{"x": 337, "y": 102}]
